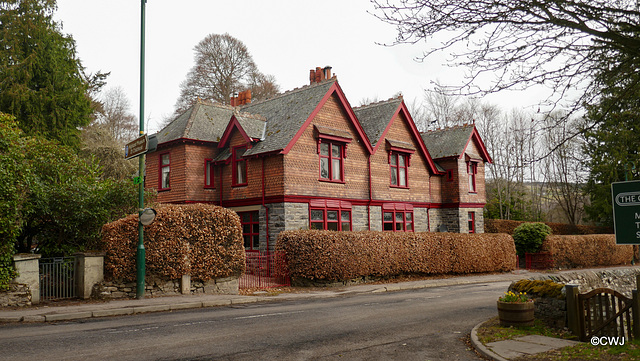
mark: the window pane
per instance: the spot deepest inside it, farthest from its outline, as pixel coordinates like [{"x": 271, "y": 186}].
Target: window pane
[
  {"x": 409, "y": 217},
  {"x": 246, "y": 228},
  {"x": 332, "y": 226},
  {"x": 394, "y": 177},
  {"x": 165, "y": 177},
  {"x": 242, "y": 172},
  {"x": 324, "y": 149},
  {"x": 335, "y": 164},
  {"x": 394, "y": 160},
  {"x": 335, "y": 151},
  {"x": 165, "y": 159},
  {"x": 247, "y": 242},
  {"x": 345, "y": 216},
  {"x": 324, "y": 168},
  {"x": 246, "y": 216},
  {"x": 346, "y": 226},
  {"x": 256, "y": 228},
  {"x": 399, "y": 226},
  {"x": 403, "y": 176},
  {"x": 401, "y": 160},
  {"x": 388, "y": 217},
  {"x": 387, "y": 226},
  {"x": 317, "y": 225},
  {"x": 256, "y": 242},
  {"x": 400, "y": 217},
  {"x": 207, "y": 173},
  {"x": 317, "y": 215},
  {"x": 332, "y": 215},
  {"x": 409, "y": 226}
]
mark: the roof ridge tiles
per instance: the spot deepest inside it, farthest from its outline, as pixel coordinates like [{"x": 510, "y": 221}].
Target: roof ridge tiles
[
  {"x": 294, "y": 90},
  {"x": 379, "y": 102}
]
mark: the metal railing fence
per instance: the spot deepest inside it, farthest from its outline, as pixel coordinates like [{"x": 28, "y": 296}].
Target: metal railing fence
[{"x": 57, "y": 278}]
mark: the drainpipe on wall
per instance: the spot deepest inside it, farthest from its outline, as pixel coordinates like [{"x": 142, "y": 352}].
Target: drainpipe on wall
[
  {"x": 370, "y": 195},
  {"x": 220, "y": 186},
  {"x": 266, "y": 210}
]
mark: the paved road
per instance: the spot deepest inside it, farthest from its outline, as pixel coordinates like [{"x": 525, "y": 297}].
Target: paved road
[{"x": 426, "y": 324}]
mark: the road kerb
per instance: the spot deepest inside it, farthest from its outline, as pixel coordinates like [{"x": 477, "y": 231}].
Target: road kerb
[
  {"x": 475, "y": 341},
  {"x": 113, "y": 312},
  {"x": 67, "y": 316}
]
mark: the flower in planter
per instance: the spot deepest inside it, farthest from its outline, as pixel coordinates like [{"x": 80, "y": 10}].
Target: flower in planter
[{"x": 512, "y": 297}]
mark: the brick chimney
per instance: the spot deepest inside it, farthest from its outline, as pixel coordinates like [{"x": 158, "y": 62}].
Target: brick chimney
[
  {"x": 241, "y": 98},
  {"x": 319, "y": 74}
]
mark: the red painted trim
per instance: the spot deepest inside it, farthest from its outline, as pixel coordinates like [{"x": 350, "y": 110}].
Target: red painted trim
[
  {"x": 210, "y": 173},
  {"x": 226, "y": 135},
  {"x": 483, "y": 149},
  {"x": 473, "y": 221},
  {"x": 334, "y": 89},
  {"x": 458, "y": 205}
]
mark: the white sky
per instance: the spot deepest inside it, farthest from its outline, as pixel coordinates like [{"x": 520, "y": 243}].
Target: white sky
[{"x": 286, "y": 38}]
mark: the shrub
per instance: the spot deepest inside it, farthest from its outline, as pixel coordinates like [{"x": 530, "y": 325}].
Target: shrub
[
  {"x": 570, "y": 251},
  {"x": 339, "y": 256},
  {"x": 508, "y": 226},
  {"x": 528, "y": 237},
  {"x": 202, "y": 240}
]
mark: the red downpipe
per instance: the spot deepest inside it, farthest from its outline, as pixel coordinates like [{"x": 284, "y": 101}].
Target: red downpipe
[
  {"x": 221, "y": 186},
  {"x": 370, "y": 195},
  {"x": 266, "y": 210}
]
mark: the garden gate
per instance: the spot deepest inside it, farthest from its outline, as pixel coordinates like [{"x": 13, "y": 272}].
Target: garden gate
[
  {"x": 57, "y": 278},
  {"x": 265, "y": 270}
]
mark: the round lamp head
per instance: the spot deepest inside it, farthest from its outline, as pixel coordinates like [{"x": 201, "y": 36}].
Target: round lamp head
[{"x": 147, "y": 216}]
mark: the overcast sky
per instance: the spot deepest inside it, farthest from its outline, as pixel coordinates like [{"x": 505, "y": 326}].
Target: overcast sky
[{"x": 286, "y": 38}]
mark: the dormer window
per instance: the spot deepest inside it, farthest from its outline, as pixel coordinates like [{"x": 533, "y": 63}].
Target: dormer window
[
  {"x": 472, "y": 169},
  {"x": 239, "y": 166},
  {"x": 332, "y": 151}
]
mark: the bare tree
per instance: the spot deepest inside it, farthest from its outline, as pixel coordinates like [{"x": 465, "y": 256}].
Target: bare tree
[
  {"x": 116, "y": 117},
  {"x": 519, "y": 43},
  {"x": 223, "y": 66}
]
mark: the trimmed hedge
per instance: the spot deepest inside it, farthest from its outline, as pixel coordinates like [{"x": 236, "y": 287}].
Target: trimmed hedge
[
  {"x": 202, "y": 240},
  {"x": 570, "y": 251},
  {"x": 508, "y": 226},
  {"x": 340, "y": 256}
]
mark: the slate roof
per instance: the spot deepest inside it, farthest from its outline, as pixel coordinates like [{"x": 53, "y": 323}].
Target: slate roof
[
  {"x": 203, "y": 121},
  {"x": 375, "y": 117},
  {"x": 285, "y": 114},
  {"x": 447, "y": 142}
]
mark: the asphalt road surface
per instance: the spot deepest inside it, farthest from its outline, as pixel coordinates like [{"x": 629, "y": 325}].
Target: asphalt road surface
[{"x": 426, "y": 324}]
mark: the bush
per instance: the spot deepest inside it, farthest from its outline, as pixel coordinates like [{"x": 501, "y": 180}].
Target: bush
[
  {"x": 587, "y": 250},
  {"x": 202, "y": 240},
  {"x": 339, "y": 256},
  {"x": 528, "y": 237}
]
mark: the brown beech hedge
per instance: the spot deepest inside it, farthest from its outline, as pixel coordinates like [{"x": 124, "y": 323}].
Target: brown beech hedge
[
  {"x": 339, "y": 256},
  {"x": 204, "y": 241},
  {"x": 507, "y": 226},
  {"x": 587, "y": 250}
]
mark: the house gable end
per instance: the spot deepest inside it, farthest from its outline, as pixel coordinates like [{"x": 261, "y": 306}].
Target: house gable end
[{"x": 234, "y": 124}]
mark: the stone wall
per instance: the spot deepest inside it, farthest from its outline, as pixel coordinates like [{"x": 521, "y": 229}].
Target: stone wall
[
  {"x": 553, "y": 310},
  {"x": 18, "y": 295},
  {"x": 116, "y": 290}
]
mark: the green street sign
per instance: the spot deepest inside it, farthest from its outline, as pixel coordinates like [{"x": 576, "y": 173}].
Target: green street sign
[{"x": 626, "y": 211}]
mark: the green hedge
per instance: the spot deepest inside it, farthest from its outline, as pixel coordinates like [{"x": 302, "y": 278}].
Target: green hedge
[
  {"x": 340, "y": 256},
  {"x": 202, "y": 240}
]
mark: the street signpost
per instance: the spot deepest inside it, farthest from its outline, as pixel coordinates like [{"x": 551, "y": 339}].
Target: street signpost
[{"x": 626, "y": 211}]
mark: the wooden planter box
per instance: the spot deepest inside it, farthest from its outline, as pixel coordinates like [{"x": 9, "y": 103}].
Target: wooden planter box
[{"x": 515, "y": 313}]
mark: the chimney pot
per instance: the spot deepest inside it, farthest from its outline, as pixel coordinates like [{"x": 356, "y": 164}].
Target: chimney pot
[
  {"x": 327, "y": 72},
  {"x": 312, "y": 76}
]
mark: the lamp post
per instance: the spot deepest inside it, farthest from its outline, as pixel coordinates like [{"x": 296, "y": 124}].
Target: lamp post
[{"x": 140, "y": 252}]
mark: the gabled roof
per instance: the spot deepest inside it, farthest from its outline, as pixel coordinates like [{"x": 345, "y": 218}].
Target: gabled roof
[
  {"x": 203, "y": 121},
  {"x": 376, "y": 120},
  {"x": 251, "y": 127},
  {"x": 452, "y": 142},
  {"x": 290, "y": 113},
  {"x": 375, "y": 117}
]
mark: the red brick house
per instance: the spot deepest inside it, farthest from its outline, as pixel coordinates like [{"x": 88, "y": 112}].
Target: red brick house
[{"x": 307, "y": 159}]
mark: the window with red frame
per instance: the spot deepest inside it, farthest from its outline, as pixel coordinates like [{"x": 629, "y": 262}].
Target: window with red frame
[
  {"x": 449, "y": 175},
  {"x": 398, "y": 163},
  {"x": 472, "y": 222},
  {"x": 472, "y": 169},
  {"x": 250, "y": 230},
  {"x": 239, "y": 166},
  {"x": 330, "y": 219},
  {"x": 165, "y": 172},
  {"x": 209, "y": 180},
  {"x": 331, "y": 161},
  {"x": 397, "y": 221}
]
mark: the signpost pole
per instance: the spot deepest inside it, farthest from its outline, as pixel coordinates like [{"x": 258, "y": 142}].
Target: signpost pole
[{"x": 140, "y": 254}]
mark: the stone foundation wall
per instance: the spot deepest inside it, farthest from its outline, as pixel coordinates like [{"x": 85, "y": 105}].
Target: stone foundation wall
[
  {"x": 18, "y": 295},
  {"x": 116, "y": 290}
]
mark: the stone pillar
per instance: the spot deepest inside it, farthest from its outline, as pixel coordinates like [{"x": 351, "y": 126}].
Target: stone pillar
[
  {"x": 185, "y": 285},
  {"x": 89, "y": 271},
  {"x": 26, "y": 265}
]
